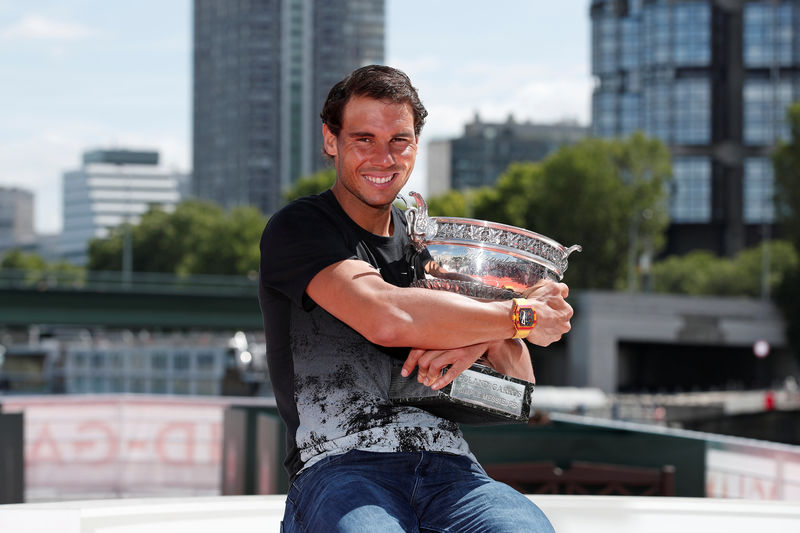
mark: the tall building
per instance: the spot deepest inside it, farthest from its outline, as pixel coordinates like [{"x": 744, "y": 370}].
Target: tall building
[
  {"x": 16, "y": 218},
  {"x": 712, "y": 79},
  {"x": 262, "y": 70},
  {"x": 485, "y": 150},
  {"x": 113, "y": 187}
]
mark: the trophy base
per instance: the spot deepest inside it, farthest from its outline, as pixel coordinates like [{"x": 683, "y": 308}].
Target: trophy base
[{"x": 478, "y": 396}]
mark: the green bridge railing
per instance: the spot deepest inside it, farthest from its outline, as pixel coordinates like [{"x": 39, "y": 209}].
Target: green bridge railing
[{"x": 139, "y": 282}]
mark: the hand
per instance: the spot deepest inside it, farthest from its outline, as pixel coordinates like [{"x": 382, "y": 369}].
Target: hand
[
  {"x": 553, "y": 313},
  {"x": 430, "y": 363}
]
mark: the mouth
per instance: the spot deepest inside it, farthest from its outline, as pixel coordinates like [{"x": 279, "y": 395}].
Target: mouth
[{"x": 379, "y": 179}]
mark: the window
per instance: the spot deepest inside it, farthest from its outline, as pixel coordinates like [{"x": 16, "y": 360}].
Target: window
[
  {"x": 158, "y": 386},
  {"x": 98, "y": 360},
  {"x": 768, "y": 34},
  {"x": 159, "y": 361},
  {"x": 758, "y": 191},
  {"x": 182, "y": 362},
  {"x": 630, "y": 48},
  {"x": 137, "y": 361},
  {"x": 690, "y": 198},
  {"x": 691, "y": 26},
  {"x": 78, "y": 360},
  {"x": 137, "y": 385},
  {"x": 629, "y": 114},
  {"x": 604, "y": 44},
  {"x": 657, "y": 107},
  {"x": 181, "y": 386},
  {"x": 656, "y": 34},
  {"x": 206, "y": 362},
  {"x": 765, "y": 104},
  {"x": 604, "y": 114},
  {"x": 692, "y": 111}
]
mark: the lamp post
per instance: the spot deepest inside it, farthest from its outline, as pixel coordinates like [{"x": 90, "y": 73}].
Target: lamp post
[{"x": 127, "y": 238}]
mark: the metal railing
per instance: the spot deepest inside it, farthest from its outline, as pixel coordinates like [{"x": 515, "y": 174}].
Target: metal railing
[{"x": 143, "y": 282}]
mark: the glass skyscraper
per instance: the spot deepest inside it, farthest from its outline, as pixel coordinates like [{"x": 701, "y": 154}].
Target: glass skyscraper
[
  {"x": 262, "y": 70},
  {"x": 712, "y": 79}
]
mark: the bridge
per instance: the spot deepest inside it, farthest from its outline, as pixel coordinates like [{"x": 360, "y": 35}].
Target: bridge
[{"x": 135, "y": 300}]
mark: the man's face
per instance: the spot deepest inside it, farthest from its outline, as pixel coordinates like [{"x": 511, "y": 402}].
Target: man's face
[{"x": 374, "y": 152}]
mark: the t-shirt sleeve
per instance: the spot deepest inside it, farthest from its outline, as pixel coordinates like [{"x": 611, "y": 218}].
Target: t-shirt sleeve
[{"x": 298, "y": 242}]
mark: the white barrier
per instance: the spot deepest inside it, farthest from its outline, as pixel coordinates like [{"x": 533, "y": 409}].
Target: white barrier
[{"x": 262, "y": 514}]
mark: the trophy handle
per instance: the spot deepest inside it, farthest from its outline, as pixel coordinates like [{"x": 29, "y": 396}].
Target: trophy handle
[
  {"x": 573, "y": 248},
  {"x": 419, "y": 224}
]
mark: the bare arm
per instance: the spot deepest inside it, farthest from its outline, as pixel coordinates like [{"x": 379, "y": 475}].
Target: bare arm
[
  {"x": 510, "y": 357},
  {"x": 355, "y": 293}
]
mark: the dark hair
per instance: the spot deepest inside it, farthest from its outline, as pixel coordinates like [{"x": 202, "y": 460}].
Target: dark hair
[{"x": 374, "y": 81}]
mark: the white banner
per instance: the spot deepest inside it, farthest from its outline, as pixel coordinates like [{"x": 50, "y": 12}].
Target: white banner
[{"x": 79, "y": 447}]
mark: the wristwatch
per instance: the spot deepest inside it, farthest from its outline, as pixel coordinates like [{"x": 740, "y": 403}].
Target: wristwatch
[{"x": 523, "y": 316}]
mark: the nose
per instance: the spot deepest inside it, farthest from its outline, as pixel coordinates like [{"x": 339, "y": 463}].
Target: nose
[{"x": 382, "y": 154}]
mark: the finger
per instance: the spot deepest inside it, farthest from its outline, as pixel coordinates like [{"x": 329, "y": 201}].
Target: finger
[
  {"x": 564, "y": 289},
  {"x": 424, "y": 373},
  {"x": 452, "y": 373},
  {"x": 411, "y": 361}
]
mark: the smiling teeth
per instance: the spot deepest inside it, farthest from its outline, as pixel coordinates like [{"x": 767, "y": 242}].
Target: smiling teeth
[{"x": 379, "y": 180}]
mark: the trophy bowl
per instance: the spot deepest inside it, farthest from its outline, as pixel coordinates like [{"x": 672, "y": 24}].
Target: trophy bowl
[{"x": 485, "y": 260}]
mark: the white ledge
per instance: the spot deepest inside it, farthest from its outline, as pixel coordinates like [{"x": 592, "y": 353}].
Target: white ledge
[{"x": 262, "y": 514}]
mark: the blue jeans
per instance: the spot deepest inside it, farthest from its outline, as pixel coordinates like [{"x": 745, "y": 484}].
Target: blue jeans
[{"x": 423, "y": 492}]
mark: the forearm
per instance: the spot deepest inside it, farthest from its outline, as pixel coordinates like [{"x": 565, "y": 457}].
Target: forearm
[
  {"x": 431, "y": 319},
  {"x": 512, "y": 358},
  {"x": 356, "y": 294}
]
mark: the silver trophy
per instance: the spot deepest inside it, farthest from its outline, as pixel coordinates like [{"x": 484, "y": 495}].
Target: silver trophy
[{"x": 484, "y": 260}]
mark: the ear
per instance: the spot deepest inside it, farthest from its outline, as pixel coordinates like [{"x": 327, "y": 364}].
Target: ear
[{"x": 329, "y": 141}]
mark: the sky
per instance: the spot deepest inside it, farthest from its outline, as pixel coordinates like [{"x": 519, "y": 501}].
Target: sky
[{"x": 85, "y": 74}]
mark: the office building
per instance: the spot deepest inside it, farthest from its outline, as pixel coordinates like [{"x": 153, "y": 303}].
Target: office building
[
  {"x": 485, "y": 150},
  {"x": 113, "y": 187},
  {"x": 712, "y": 79},
  {"x": 16, "y": 218},
  {"x": 262, "y": 70}
]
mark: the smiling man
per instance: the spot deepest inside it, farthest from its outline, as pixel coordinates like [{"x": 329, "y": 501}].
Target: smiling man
[{"x": 339, "y": 313}]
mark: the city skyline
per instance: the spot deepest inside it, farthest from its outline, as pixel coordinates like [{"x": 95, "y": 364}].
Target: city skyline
[{"x": 88, "y": 77}]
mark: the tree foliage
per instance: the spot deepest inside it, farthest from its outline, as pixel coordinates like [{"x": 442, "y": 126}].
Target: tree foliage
[
  {"x": 786, "y": 161},
  {"x": 453, "y": 203},
  {"x": 702, "y": 273},
  {"x": 313, "y": 184},
  {"x": 197, "y": 238},
  {"x": 36, "y": 269},
  {"x": 597, "y": 193}
]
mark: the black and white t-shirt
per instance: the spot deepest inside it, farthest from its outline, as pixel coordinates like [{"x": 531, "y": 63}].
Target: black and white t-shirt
[{"x": 331, "y": 384}]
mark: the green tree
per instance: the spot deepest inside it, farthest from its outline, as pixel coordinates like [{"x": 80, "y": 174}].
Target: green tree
[
  {"x": 313, "y": 184},
  {"x": 32, "y": 268},
  {"x": 609, "y": 196},
  {"x": 453, "y": 203},
  {"x": 786, "y": 161},
  {"x": 702, "y": 273},
  {"x": 16, "y": 259},
  {"x": 197, "y": 238}
]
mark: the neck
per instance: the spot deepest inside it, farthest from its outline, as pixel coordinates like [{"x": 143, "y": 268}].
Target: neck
[{"x": 375, "y": 219}]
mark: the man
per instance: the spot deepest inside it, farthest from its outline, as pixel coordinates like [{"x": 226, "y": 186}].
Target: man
[{"x": 338, "y": 310}]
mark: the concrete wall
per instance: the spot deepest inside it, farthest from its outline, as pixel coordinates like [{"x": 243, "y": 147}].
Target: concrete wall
[
  {"x": 605, "y": 319},
  {"x": 262, "y": 514}
]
